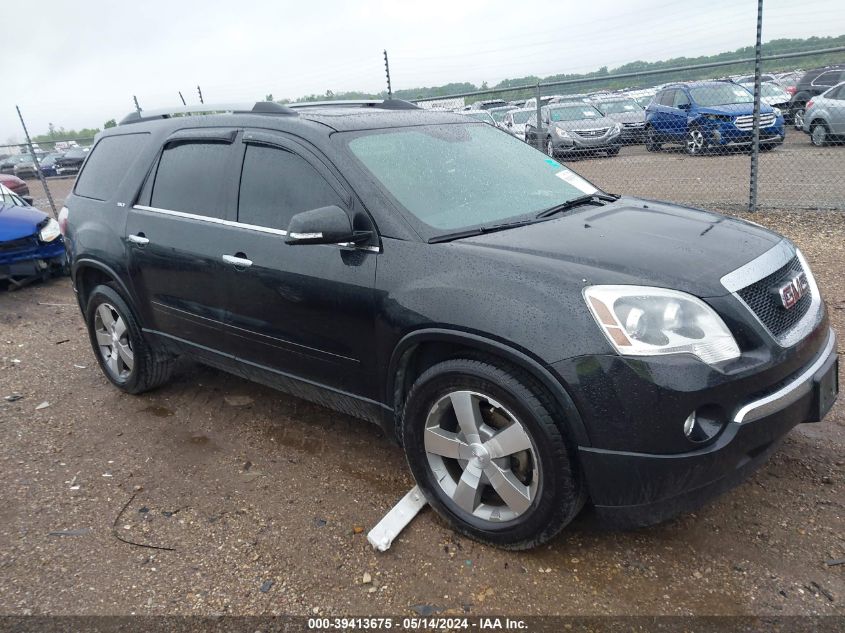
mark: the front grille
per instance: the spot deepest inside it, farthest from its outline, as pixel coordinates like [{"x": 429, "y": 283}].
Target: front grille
[
  {"x": 762, "y": 298},
  {"x": 747, "y": 122},
  {"x": 22, "y": 244},
  {"x": 592, "y": 133},
  {"x": 633, "y": 124}
]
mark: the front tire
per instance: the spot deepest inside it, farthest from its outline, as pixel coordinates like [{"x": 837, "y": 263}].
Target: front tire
[
  {"x": 125, "y": 357},
  {"x": 695, "y": 143},
  {"x": 550, "y": 148},
  {"x": 483, "y": 444}
]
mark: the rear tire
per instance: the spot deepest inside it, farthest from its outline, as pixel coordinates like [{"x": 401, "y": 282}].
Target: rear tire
[
  {"x": 461, "y": 472},
  {"x": 819, "y": 133},
  {"x": 798, "y": 117},
  {"x": 129, "y": 362},
  {"x": 652, "y": 143}
]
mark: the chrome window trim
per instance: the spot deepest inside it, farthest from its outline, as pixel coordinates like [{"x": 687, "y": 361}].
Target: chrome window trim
[
  {"x": 241, "y": 225},
  {"x": 790, "y": 392}
]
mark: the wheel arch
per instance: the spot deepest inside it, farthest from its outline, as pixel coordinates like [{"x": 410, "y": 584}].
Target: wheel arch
[
  {"x": 423, "y": 348},
  {"x": 88, "y": 273}
]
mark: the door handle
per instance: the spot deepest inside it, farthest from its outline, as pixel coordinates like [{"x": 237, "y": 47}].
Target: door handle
[
  {"x": 139, "y": 239},
  {"x": 238, "y": 260}
]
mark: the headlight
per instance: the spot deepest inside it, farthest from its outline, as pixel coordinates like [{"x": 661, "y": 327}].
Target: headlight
[
  {"x": 617, "y": 127},
  {"x": 561, "y": 132},
  {"x": 644, "y": 321},
  {"x": 777, "y": 111},
  {"x": 49, "y": 231}
]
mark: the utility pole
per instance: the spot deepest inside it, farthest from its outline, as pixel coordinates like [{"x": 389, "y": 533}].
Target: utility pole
[
  {"x": 199, "y": 92},
  {"x": 755, "y": 144},
  {"x": 539, "y": 128},
  {"x": 387, "y": 70},
  {"x": 37, "y": 165},
  {"x": 182, "y": 98},
  {"x": 137, "y": 107}
]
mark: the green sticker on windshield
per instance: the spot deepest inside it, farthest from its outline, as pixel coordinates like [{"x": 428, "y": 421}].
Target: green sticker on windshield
[{"x": 553, "y": 163}]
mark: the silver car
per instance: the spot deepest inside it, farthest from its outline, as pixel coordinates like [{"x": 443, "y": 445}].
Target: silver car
[
  {"x": 572, "y": 128},
  {"x": 628, "y": 113},
  {"x": 824, "y": 117}
]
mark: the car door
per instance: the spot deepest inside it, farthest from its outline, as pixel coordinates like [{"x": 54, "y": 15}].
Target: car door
[
  {"x": 659, "y": 112},
  {"x": 677, "y": 114},
  {"x": 836, "y": 106},
  {"x": 302, "y": 311},
  {"x": 177, "y": 235}
]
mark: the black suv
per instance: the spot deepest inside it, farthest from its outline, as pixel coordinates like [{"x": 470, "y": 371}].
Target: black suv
[
  {"x": 812, "y": 83},
  {"x": 531, "y": 341}
]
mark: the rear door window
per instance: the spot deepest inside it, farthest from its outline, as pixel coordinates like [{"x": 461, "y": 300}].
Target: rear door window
[
  {"x": 681, "y": 99},
  {"x": 191, "y": 178},
  {"x": 667, "y": 98},
  {"x": 107, "y": 165},
  {"x": 828, "y": 78},
  {"x": 276, "y": 184}
]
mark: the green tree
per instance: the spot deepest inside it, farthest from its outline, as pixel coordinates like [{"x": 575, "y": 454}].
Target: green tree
[
  {"x": 109, "y": 123},
  {"x": 268, "y": 97}
]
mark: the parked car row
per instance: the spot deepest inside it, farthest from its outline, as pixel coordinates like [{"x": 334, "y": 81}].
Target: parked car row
[
  {"x": 700, "y": 116},
  {"x": 53, "y": 164}
]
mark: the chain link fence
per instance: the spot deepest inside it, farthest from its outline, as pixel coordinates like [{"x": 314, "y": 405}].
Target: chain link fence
[{"x": 689, "y": 134}]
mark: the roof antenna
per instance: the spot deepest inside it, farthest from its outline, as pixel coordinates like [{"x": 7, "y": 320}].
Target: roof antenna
[
  {"x": 182, "y": 98},
  {"x": 137, "y": 107},
  {"x": 387, "y": 70},
  {"x": 199, "y": 92}
]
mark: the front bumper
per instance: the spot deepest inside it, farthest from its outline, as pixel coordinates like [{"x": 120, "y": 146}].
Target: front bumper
[
  {"x": 575, "y": 143},
  {"x": 727, "y": 134},
  {"x": 32, "y": 262},
  {"x": 634, "y": 489}
]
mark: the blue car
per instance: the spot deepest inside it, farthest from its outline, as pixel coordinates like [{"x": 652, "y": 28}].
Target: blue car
[
  {"x": 48, "y": 164},
  {"x": 707, "y": 115},
  {"x": 31, "y": 244}
]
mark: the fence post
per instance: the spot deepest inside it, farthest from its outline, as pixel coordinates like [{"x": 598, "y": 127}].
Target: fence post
[
  {"x": 37, "y": 165},
  {"x": 755, "y": 143},
  {"x": 540, "y": 143}
]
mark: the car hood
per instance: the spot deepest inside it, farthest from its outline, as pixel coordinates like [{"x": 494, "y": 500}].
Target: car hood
[
  {"x": 736, "y": 109},
  {"x": 585, "y": 124},
  {"x": 635, "y": 241},
  {"x": 18, "y": 222},
  {"x": 627, "y": 117}
]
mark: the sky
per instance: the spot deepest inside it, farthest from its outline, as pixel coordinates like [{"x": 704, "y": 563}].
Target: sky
[{"x": 78, "y": 64}]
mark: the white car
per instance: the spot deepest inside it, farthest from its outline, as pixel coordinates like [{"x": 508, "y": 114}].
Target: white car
[{"x": 515, "y": 121}]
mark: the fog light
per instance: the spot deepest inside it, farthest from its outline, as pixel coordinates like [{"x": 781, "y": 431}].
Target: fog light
[{"x": 689, "y": 424}]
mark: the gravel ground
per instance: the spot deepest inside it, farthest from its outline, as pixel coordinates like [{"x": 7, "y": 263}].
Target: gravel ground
[{"x": 263, "y": 501}]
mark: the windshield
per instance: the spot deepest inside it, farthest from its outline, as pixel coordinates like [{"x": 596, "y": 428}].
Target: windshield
[
  {"x": 767, "y": 90},
  {"x": 520, "y": 118},
  {"x": 619, "y": 107},
  {"x": 450, "y": 177},
  {"x": 720, "y": 94},
  {"x": 481, "y": 115},
  {"x": 499, "y": 115},
  {"x": 574, "y": 113},
  {"x": 8, "y": 198}
]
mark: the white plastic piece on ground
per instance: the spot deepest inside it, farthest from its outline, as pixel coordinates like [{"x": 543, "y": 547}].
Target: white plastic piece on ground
[{"x": 382, "y": 535}]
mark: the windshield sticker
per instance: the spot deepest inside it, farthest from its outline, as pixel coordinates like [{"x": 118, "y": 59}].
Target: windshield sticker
[
  {"x": 589, "y": 113},
  {"x": 553, "y": 163},
  {"x": 628, "y": 107},
  {"x": 571, "y": 178},
  {"x": 740, "y": 93}
]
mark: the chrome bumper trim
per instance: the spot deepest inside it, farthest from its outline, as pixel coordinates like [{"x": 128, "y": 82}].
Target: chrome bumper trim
[{"x": 786, "y": 395}]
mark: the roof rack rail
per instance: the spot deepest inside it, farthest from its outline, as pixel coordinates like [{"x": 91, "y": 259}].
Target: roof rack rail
[
  {"x": 381, "y": 104},
  {"x": 259, "y": 107}
]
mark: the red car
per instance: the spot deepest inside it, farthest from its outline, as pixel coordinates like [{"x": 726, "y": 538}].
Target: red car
[{"x": 15, "y": 184}]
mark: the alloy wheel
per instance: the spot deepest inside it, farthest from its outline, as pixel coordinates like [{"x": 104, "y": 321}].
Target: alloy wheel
[
  {"x": 481, "y": 456},
  {"x": 695, "y": 141},
  {"x": 113, "y": 340},
  {"x": 550, "y": 148},
  {"x": 798, "y": 119},
  {"x": 818, "y": 135}
]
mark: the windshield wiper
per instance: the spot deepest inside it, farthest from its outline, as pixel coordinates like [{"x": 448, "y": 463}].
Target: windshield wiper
[
  {"x": 479, "y": 230},
  {"x": 576, "y": 202}
]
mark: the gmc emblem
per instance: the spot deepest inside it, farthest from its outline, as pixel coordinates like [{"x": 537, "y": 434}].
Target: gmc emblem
[{"x": 793, "y": 290}]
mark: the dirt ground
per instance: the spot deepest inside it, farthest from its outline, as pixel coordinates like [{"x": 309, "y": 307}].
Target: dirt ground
[{"x": 263, "y": 501}]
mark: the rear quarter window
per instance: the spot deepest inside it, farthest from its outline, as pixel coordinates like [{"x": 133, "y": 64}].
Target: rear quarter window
[{"x": 107, "y": 165}]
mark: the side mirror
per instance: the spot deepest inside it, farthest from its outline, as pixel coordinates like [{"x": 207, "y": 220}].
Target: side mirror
[
  {"x": 326, "y": 225},
  {"x": 28, "y": 199},
  {"x": 509, "y": 123},
  {"x": 684, "y": 106}
]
